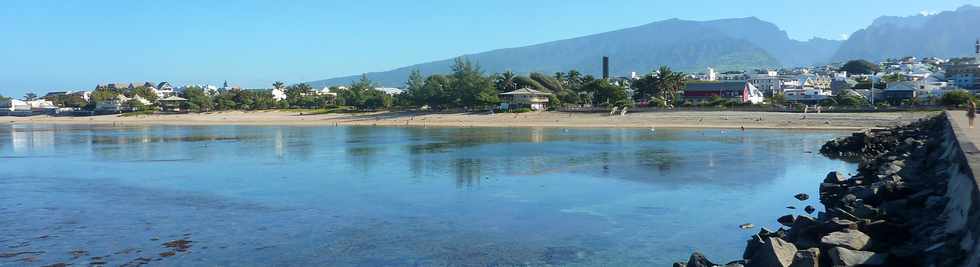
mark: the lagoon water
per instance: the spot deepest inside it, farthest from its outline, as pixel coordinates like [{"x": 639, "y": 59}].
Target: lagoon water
[{"x": 372, "y": 196}]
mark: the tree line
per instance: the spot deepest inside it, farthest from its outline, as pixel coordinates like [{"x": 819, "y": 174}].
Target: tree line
[{"x": 468, "y": 87}]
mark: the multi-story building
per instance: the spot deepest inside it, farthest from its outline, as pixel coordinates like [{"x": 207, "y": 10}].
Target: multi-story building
[
  {"x": 965, "y": 74},
  {"x": 769, "y": 83}
]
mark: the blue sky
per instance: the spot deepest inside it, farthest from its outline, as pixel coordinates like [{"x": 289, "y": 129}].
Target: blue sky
[{"x": 52, "y": 45}]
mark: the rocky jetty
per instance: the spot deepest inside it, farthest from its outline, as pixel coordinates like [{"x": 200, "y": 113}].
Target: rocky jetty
[{"x": 888, "y": 214}]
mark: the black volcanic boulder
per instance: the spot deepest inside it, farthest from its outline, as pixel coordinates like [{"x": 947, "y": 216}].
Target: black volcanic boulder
[
  {"x": 699, "y": 260},
  {"x": 835, "y": 177},
  {"x": 786, "y": 220},
  {"x": 807, "y": 258},
  {"x": 802, "y": 196},
  {"x": 809, "y": 209}
]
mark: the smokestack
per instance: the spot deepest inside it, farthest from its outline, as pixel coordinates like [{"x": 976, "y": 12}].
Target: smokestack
[{"x": 605, "y": 67}]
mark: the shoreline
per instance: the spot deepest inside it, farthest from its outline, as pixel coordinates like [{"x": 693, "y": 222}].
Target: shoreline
[{"x": 650, "y": 120}]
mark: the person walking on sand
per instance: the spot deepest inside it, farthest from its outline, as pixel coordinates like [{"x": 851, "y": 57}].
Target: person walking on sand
[{"x": 971, "y": 112}]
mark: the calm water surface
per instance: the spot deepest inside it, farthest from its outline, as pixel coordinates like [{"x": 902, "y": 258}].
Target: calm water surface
[{"x": 340, "y": 196}]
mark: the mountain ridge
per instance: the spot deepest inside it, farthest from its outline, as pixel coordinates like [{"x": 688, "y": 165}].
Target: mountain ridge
[
  {"x": 685, "y": 45},
  {"x": 725, "y": 44},
  {"x": 946, "y": 34}
]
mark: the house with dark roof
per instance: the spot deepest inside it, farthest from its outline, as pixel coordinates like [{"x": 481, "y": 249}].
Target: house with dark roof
[{"x": 739, "y": 91}]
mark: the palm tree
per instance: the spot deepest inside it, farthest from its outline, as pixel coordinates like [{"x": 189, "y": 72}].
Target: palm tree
[
  {"x": 574, "y": 80},
  {"x": 279, "y": 85},
  {"x": 560, "y": 76},
  {"x": 669, "y": 83},
  {"x": 506, "y": 82},
  {"x": 30, "y": 96}
]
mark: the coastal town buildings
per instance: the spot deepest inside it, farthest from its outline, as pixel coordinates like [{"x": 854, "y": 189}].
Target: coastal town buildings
[
  {"x": 965, "y": 74},
  {"x": 172, "y": 103},
  {"x": 120, "y": 104},
  {"x": 807, "y": 95},
  {"x": 12, "y": 105},
  {"x": 164, "y": 90},
  {"x": 769, "y": 82},
  {"x": 524, "y": 98},
  {"x": 739, "y": 91}
]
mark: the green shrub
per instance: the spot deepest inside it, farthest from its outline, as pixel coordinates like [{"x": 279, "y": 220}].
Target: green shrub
[{"x": 956, "y": 98}]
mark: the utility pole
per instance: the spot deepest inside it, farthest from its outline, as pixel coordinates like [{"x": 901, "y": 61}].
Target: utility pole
[{"x": 873, "y": 76}]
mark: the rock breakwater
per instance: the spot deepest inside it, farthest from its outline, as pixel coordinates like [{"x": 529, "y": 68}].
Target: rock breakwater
[{"x": 888, "y": 214}]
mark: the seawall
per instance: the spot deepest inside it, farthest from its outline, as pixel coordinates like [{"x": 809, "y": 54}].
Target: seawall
[
  {"x": 962, "y": 212},
  {"x": 915, "y": 201}
]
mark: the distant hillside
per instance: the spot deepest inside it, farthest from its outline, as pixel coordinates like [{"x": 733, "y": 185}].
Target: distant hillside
[
  {"x": 691, "y": 46},
  {"x": 947, "y": 34}
]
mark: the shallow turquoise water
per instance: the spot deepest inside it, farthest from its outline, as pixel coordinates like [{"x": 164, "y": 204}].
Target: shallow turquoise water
[{"x": 337, "y": 196}]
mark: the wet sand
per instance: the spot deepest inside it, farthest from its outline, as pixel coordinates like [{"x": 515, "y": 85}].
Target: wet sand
[{"x": 683, "y": 119}]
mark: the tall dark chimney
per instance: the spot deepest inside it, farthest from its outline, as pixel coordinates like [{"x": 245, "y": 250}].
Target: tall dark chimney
[{"x": 605, "y": 68}]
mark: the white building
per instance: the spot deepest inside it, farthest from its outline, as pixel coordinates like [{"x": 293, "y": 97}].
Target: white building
[
  {"x": 41, "y": 105},
  {"x": 807, "y": 95},
  {"x": 769, "y": 83},
  {"x": 712, "y": 75},
  {"x": 278, "y": 94},
  {"x": 922, "y": 89},
  {"x": 164, "y": 90},
  {"x": 966, "y": 75},
  {"x": 119, "y": 104},
  {"x": 390, "y": 90},
  {"x": 14, "y": 105}
]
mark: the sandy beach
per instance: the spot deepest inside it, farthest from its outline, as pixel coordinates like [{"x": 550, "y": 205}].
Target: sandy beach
[{"x": 685, "y": 119}]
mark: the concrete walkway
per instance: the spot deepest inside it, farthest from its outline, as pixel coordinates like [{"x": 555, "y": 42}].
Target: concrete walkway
[{"x": 968, "y": 138}]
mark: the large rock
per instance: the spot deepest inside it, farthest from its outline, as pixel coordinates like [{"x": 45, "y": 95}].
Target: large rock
[
  {"x": 807, "y": 258},
  {"x": 845, "y": 257},
  {"x": 835, "y": 178},
  {"x": 809, "y": 209},
  {"x": 848, "y": 238},
  {"x": 774, "y": 253},
  {"x": 698, "y": 260},
  {"x": 802, "y": 196},
  {"x": 805, "y": 232},
  {"x": 759, "y": 240},
  {"x": 862, "y": 192},
  {"x": 786, "y": 220},
  {"x": 866, "y": 211}
]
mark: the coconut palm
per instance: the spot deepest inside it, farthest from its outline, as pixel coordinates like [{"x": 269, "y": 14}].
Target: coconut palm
[
  {"x": 560, "y": 76},
  {"x": 279, "y": 85},
  {"x": 669, "y": 83},
  {"x": 506, "y": 81}
]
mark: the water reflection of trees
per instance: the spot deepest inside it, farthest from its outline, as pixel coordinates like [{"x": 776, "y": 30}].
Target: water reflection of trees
[{"x": 465, "y": 155}]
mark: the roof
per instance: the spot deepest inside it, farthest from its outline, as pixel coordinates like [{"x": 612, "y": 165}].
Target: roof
[
  {"x": 173, "y": 98},
  {"x": 525, "y": 91},
  {"x": 715, "y": 86},
  {"x": 901, "y": 86}
]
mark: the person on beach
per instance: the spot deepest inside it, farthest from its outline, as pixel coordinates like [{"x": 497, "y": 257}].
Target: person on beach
[{"x": 971, "y": 112}]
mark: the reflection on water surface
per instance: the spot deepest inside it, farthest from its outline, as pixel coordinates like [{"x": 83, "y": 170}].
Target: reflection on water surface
[{"x": 392, "y": 196}]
